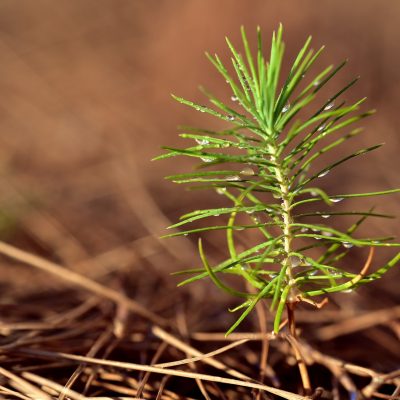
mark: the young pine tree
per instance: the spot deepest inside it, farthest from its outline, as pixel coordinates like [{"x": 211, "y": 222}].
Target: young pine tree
[{"x": 264, "y": 164}]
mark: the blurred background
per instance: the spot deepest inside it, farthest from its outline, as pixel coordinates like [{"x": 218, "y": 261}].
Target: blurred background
[{"x": 85, "y": 104}]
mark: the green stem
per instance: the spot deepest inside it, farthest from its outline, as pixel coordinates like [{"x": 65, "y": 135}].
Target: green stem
[{"x": 286, "y": 208}]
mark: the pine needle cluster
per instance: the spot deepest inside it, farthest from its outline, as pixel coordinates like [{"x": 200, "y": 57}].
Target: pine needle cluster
[{"x": 264, "y": 164}]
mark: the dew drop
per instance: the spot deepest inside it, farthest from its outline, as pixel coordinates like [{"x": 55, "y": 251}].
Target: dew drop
[
  {"x": 234, "y": 98},
  {"x": 247, "y": 171},
  {"x": 239, "y": 228},
  {"x": 329, "y": 106},
  {"x": 185, "y": 234},
  {"x": 250, "y": 211},
  {"x": 230, "y": 117},
  {"x": 348, "y": 245},
  {"x": 348, "y": 291},
  {"x": 202, "y": 142},
  {"x": 336, "y": 199},
  {"x": 233, "y": 178},
  {"x": 327, "y": 233},
  {"x": 325, "y": 216},
  {"x": 286, "y": 108},
  {"x": 321, "y": 127},
  {"x": 316, "y": 83},
  {"x": 217, "y": 215},
  {"x": 324, "y": 173},
  {"x": 304, "y": 229},
  {"x": 294, "y": 261},
  {"x": 221, "y": 190},
  {"x": 206, "y": 159}
]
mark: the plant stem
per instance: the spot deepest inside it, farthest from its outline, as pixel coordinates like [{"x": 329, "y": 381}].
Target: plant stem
[
  {"x": 291, "y": 303},
  {"x": 286, "y": 204},
  {"x": 291, "y": 320},
  {"x": 290, "y": 307}
]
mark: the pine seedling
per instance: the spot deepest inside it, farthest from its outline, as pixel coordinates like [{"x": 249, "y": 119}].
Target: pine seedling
[{"x": 264, "y": 164}]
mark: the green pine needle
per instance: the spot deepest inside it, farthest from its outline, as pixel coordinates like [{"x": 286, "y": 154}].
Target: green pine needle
[{"x": 263, "y": 164}]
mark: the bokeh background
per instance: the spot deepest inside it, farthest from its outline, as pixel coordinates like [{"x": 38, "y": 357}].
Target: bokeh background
[{"x": 85, "y": 104}]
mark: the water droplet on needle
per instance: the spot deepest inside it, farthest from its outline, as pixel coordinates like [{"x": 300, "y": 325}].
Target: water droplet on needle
[
  {"x": 295, "y": 261},
  {"x": 247, "y": 171},
  {"x": 329, "y": 106},
  {"x": 202, "y": 142},
  {"x": 221, "y": 190},
  {"x": 323, "y": 173}
]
